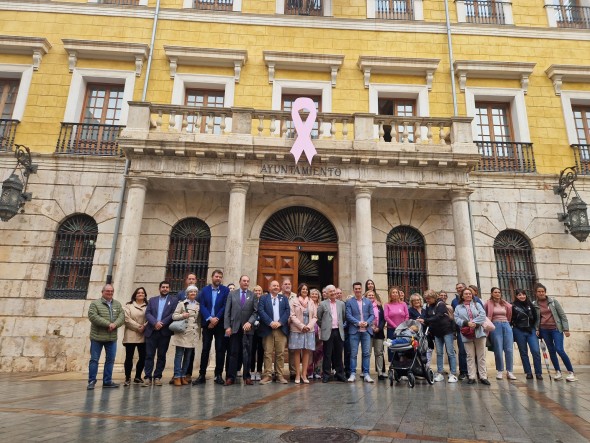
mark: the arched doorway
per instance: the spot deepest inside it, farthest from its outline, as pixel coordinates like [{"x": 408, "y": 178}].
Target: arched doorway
[{"x": 300, "y": 243}]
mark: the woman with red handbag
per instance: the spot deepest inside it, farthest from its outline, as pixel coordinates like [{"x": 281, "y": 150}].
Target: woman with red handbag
[{"x": 470, "y": 317}]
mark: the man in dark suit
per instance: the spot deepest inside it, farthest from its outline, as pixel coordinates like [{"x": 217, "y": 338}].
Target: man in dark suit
[
  {"x": 157, "y": 335},
  {"x": 359, "y": 317},
  {"x": 274, "y": 312},
  {"x": 212, "y": 299},
  {"x": 331, "y": 317},
  {"x": 240, "y": 314}
]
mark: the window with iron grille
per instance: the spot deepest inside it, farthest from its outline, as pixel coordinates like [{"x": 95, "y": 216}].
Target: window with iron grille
[
  {"x": 188, "y": 252},
  {"x": 204, "y": 98},
  {"x": 8, "y": 92},
  {"x": 406, "y": 260},
  {"x": 287, "y": 104},
  {"x": 73, "y": 254},
  {"x": 514, "y": 261},
  {"x": 493, "y": 122},
  {"x": 399, "y": 108}
]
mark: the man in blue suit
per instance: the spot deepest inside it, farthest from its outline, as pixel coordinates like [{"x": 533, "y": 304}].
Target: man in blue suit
[
  {"x": 359, "y": 316},
  {"x": 157, "y": 335},
  {"x": 212, "y": 299},
  {"x": 274, "y": 312}
]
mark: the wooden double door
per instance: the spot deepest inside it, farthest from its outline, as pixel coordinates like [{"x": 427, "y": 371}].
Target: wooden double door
[{"x": 313, "y": 263}]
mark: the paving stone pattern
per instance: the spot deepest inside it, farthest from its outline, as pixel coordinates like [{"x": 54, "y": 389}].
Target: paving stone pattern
[{"x": 37, "y": 410}]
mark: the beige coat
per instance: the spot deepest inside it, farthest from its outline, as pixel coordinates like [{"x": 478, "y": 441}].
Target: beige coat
[
  {"x": 134, "y": 318},
  {"x": 187, "y": 339},
  {"x": 296, "y": 319}
]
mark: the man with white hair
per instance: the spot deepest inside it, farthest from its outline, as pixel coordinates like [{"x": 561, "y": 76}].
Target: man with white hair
[{"x": 331, "y": 317}]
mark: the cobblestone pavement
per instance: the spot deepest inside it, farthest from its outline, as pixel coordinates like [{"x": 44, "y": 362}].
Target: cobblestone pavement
[{"x": 57, "y": 408}]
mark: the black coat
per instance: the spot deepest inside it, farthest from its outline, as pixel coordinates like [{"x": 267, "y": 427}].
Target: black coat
[
  {"x": 437, "y": 318},
  {"x": 524, "y": 316}
]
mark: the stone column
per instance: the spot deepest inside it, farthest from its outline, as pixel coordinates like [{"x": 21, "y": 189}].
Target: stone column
[
  {"x": 463, "y": 241},
  {"x": 235, "y": 233},
  {"x": 129, "y": 241},
  {"x": 364, "y": 235}
]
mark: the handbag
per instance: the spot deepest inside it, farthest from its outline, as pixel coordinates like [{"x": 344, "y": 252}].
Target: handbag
[
  {"x": 467, "y": 332},
  {"x": 488, "y": 326},
  {"x": 178, "y": 325}
]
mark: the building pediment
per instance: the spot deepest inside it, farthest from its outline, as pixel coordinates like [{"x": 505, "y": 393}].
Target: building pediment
[
  {"x": 35, "y": 46},
  {"x": 397, "y": 66},
  {"x": 106, "y": 50},
  {"x": 300, "y": 61},
  {"x": 186, "y": 55},
  {"x": 567, "y": 73},
  {"x": 492, "y": 69}
]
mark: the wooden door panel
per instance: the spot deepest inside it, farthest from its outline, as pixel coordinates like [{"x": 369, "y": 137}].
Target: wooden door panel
[{"x": 276, "y": 265}]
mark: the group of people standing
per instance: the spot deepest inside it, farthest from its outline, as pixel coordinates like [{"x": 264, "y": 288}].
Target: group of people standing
[{"x": 322, "y": 332}]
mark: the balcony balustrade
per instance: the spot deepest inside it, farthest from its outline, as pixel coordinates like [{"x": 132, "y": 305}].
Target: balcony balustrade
[
  {"x": 278, "y": 124},
  {"x": 485, "y": 12},
  {"x": 506, "y": 157},
  {"x": 88, "y": 139},
  {"x": 7, "y": 133},
  {"x": 214, "y": 5},
  {"x": 394, "y": 9},
  {"x": 582, "y": 156},
  {"x": 572, "y": 16},
  {"x": 304, "y": 7},
  {"x": 120, "y": 2}
]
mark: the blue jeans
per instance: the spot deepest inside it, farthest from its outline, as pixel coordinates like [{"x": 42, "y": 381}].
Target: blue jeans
[
  {"x": 462, "y": 353},
  {"x": 503, "y": 345},
  {"x": 182, "y": 358},
  {"x": 110, "y": 349},
  {"x": 446, "y": 341},
  {"x": 554, "y": 341},
  {"x": 524, "y": 338},
  {"x": 364, "y": 338}
]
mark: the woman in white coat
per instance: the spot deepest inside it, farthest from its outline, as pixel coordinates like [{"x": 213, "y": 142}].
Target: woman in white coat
[{"x": 186, "y": 341}]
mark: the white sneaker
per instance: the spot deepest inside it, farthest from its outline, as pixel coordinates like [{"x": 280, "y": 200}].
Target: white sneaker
[
  {"x": 352, "y": 378},
  {"x": 499, "y": 375},
  {"x": 239, "y": 374},
  {"x": 368, "y": 379},
  {"x": 257, "y": 376},
  {"x": 510, "y": 376},
  {"x": 439, "y": 377},
  {"x": 317, "y": 376},
  {"x": 557, "y": 375},
  {"x": 571, "y": 377},
  {"x": 384, "y": 374},
  {"x": 452, "y": 378}
]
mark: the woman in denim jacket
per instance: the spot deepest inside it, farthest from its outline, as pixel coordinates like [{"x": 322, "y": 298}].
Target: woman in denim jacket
[
  {"x": 469, "y": 314},
  {"x": 551, "y": 326}
]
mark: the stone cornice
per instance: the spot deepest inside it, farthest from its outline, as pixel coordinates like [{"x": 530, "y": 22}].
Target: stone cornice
[
  {"x": 95, "y": 9},
  {"x": 106, "y": 50},
  {"x": 397, "y": 65},
  {"x": 36, "y": 46},
  {"x": 300, "y": 61},
  {"x": 492, "y": 69},
  {"x": 567, "y": 73},
  {"x": 186, "y": 55}
]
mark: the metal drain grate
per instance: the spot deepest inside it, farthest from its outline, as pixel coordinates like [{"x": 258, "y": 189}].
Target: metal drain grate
[{"x": 321, "y": 435}]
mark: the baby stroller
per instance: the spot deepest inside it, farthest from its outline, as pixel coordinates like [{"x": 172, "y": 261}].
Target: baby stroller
[{"x": 409, "y": 359}]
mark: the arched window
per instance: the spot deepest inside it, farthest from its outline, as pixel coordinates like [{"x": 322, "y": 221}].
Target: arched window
[
  {"x": 514, "y": 261},
  {"x": 188, "y": 252},
  {"x": 73, "y": 253},
  {"x": 406, "y": 260}
]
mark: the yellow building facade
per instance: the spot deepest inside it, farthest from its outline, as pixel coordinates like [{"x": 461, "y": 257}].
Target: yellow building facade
[{"x": 405, "y": 190}]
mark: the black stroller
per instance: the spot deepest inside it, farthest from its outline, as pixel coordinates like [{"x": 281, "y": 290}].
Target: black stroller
[{"x": 409, "y": 359}]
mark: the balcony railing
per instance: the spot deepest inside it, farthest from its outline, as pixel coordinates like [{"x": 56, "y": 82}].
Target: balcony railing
[
  {"x": 572, "y": 16},
  {"x": 304, "y": 7},
  {"x": 506, "y": 157},
  {"x": 120, "y": 2},
  {"x": 214, "y": 5},
  {"x": 88, "y": 139},
  {"x": 394, "y": 9},
  {"x": 485, "y": 12},
  {"x": 278, "y": 124},
  {"x": 7, "y": 133},
  {"x": 582, "y": 156}
]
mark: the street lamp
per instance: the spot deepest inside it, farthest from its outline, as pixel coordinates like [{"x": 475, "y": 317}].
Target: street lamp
[
  {"x": 13, "y": 195},
  {"x": 575, "y": 210}
]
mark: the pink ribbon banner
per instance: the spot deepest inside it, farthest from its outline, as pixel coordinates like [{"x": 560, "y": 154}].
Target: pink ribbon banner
[{"x": 303, "y": 143}]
